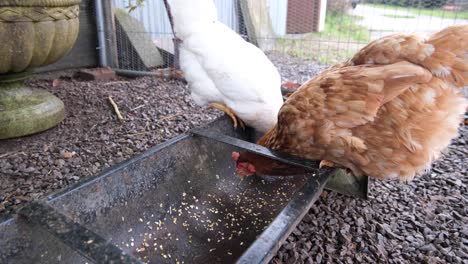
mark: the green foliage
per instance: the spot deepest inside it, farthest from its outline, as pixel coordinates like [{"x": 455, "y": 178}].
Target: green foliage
[
  {"x": 411, "y": 3},
  {"x": 133, "y": 4},
  {"x": 339, "y": 40},
  {"x": 341, "y": 6},
  {"x": 344, "y": 27},
  {"x": 435, "y": 12},
  {"x": 398, "y": 16}
]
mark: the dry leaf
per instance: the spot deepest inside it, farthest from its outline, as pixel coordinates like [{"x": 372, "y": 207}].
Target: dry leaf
[
  {"x": 56, "y": 83},
  {"x": 68, "y": 155}
]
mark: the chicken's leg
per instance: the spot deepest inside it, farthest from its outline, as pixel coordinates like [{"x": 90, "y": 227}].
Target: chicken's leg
[
  {"x": 326, "y": 163},
  {"x": 230, "y": 113}
]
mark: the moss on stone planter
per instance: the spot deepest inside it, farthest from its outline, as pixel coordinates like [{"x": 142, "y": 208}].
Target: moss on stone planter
[
  {"x": 33, "y": 33},
  {"x": 24, "y": 111}
]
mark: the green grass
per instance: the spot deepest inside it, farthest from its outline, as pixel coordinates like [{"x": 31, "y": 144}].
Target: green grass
[
  {"x": 339, "y": 40},
  {"x": 398, "y": 16},
  {"x": 343, "y": 26},
  {"x": 436, "y": 12}
]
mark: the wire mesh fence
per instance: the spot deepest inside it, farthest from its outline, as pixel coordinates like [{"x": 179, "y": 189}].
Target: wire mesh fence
[{"x": 323, "y": 31}]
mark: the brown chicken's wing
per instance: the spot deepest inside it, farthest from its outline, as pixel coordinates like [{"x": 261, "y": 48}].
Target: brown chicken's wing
[
  {"x": 388, "y": 112},
  {"x": 316, "y": 122},
  {"x": 351, "y": 96},
  {"x": 444, "y": 53}
]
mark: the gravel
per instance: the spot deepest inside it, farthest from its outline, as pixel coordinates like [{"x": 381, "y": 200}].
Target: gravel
[
  {"x": 424, "y": 221},
  {"x": 421, "y": 221},
  {"x": 293, "y": 69},
  {"x": 91, "y": 138}
]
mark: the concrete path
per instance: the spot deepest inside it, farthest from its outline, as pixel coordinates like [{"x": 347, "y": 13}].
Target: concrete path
[{"x": 377, "y": 20}]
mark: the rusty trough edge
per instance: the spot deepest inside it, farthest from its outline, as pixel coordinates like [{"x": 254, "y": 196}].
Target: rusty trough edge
[
  {"x": 111, "y": 170},
  {"x": 355, "y": 186},
  {"x": 95, "y": 248},
  {"x": 82, "y": 240},
  {"x": 257, "y": 149},
  {"x": 269, "y": 242}
]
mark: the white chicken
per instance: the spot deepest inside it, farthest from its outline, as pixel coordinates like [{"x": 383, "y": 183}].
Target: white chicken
[{"x": 222, "y": 69}]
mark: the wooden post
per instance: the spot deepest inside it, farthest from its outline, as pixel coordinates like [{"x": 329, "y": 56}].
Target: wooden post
[{"x": 258, "y": 23}]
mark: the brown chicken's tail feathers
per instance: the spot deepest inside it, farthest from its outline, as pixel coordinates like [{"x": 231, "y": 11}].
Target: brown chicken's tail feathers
[{"x": 447, "y": 54}]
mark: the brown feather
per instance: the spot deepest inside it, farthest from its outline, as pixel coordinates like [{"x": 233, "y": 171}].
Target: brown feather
[{"x": 387, "y": 113}]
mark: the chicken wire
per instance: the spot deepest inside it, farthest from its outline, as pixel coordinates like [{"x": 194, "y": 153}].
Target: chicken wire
[{"x": 323, "y": 31}]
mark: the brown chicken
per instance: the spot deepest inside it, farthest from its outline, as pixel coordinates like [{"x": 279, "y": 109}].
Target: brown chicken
[{"x": 387, "y": 113}]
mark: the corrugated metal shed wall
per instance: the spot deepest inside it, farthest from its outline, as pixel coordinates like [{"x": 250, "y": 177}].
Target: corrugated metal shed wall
[
  {"x": 153, "y": 15},
  {"x": 84, "y": 53},
  {"x": 227, "y": 13},
  {"x": 278, "y": 10}
]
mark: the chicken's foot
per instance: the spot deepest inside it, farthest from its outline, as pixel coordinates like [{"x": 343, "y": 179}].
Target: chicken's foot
[
  {"x": 326, "y": 163},
  {"x": 230, "y": 113}
]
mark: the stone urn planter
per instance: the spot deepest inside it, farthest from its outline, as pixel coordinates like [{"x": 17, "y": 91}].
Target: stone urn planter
[{"x": 33, "y": 33}]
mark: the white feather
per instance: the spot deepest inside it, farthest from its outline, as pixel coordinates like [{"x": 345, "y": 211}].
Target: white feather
[{"x": 222, "y": 67}]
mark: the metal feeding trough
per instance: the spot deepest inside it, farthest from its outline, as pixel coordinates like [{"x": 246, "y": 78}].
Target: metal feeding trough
[{"x": 179, "y": 202}]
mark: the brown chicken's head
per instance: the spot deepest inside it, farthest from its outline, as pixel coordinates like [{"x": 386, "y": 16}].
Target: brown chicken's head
[
  {"x": 248, "y": 164},
  {"x": 243, "y": 168}
]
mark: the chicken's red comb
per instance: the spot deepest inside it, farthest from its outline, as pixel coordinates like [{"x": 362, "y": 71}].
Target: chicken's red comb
[
  {"x": 235, "y": 155},
  {"x": 291, "y": 85},
  {"x": 251, "y": 168}
]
